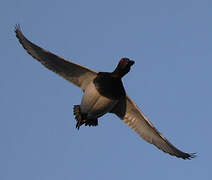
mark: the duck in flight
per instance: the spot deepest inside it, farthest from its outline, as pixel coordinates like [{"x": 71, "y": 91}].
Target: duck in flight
[{"x": 103, "y": 92}]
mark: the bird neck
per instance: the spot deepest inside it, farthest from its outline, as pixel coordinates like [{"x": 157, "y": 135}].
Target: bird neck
[{"x": 119, "y": 73}]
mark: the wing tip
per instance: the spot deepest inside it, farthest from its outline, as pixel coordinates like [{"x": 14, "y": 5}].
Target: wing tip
[
  {"x": 189, "y": 156},
  {"x": 17, "y": 28},
  {"x": 18, "y": 32}
]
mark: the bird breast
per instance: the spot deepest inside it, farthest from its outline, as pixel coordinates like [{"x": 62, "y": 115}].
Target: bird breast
[{"x": 95, "y": 105}]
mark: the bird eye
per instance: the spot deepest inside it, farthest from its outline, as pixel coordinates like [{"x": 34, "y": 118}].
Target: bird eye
[{"x": 122, "y": 61}]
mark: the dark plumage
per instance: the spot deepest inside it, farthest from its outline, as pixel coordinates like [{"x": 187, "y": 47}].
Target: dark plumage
[{"x": 109, "y": 86}]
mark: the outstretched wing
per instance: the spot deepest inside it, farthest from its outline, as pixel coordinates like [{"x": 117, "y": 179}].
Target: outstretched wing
[
  {"x": 135, "y": 119},
  {"x": 79, "y": 75}
]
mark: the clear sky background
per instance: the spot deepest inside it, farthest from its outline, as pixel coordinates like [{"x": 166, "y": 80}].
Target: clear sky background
[{"x": 171, "y": 43}]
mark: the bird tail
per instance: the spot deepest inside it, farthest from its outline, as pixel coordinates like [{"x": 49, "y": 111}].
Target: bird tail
[
  {"x": 81, "y": 119},
  {"x": 78, "y": 116}
]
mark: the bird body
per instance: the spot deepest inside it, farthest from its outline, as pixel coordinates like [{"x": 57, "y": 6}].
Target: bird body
[
  {"x": 100, "y": 97},
  {"x": 103, "y": 92},
  {"x": 94, "y": 104}
]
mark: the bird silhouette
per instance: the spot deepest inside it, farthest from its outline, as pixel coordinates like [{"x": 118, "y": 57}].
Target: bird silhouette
[{"x": 103, "y": 92}]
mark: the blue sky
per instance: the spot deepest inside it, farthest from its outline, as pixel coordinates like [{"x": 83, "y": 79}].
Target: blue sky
[{"x": 170, "y": 42}]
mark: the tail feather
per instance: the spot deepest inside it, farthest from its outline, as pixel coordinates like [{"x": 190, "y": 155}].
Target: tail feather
[
  {"x": 81, "y": 119},
  {"x": 78, "y": 116}
]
